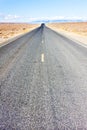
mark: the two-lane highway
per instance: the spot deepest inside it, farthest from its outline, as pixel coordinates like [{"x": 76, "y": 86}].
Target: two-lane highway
[{"x": 43, "y": 83}]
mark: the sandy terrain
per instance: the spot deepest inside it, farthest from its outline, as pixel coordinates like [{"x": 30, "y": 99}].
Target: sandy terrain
[
  {"x": 10, "y": 30},
  {"x": 76, "y": 31}
]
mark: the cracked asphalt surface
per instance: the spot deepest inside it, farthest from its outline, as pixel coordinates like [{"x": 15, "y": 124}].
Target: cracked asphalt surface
[{"x": 48, "y": 95}]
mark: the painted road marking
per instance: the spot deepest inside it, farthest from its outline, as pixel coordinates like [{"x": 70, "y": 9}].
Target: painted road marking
[
  {"x": 42, "y": 41},
  {"x": 42, "y": 57}
]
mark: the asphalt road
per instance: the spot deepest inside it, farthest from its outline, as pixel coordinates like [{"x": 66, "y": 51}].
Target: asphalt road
[{"x": 43, "y": 83}]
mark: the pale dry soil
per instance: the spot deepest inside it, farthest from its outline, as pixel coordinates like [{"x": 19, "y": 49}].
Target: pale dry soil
[
  {"x": 11, "y": 30},
  {"x": 75, "y": 31}
]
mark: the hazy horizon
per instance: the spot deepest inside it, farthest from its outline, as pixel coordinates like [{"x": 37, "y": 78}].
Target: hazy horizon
[{"x": 40, "y": 10}]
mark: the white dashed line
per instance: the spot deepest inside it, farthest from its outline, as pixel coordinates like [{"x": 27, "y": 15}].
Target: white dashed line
[
  {"x": 42, "y": 41},
  {"x": 42, "y": 57}
]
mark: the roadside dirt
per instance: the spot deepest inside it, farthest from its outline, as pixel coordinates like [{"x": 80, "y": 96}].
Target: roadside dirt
[
  {"x": 10, "y": 30},
  {"x": 76, "y": 31}
]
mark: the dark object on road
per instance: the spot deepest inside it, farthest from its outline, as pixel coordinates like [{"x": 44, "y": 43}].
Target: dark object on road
[{"x": 43, "y": 24}]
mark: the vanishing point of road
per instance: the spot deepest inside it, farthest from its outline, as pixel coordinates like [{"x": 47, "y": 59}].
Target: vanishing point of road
[{"x": 43, "y": 83}]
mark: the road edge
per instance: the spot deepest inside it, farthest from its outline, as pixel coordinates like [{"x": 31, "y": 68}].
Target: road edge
[{"x": 69, "y": 37}]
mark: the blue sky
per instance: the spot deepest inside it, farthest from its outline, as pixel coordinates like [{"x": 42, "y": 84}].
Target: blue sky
[{"x": 30, "y": 10}]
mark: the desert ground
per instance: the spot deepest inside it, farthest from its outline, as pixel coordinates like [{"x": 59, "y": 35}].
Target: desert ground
[
  {"x": 78, "y": 27},
  {"x": 10, "y": 30},
  {"x": 75, "y": 30}
]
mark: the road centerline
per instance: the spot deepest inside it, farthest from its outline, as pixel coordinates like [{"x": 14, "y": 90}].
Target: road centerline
[
  {"x": 42, "y": 41},
  {"x": 42, "y": 57}
]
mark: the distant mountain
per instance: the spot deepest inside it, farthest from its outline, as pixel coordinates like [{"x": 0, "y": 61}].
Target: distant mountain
[{"x": 59, "y": 21}]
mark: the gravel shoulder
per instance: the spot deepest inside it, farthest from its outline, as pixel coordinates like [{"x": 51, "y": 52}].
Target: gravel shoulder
[
  {"x": 75, "y": 37},
  {"x": 11, "y": 31}
]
